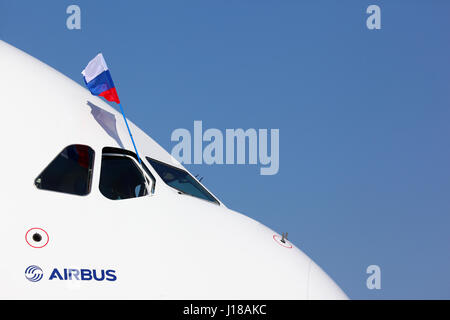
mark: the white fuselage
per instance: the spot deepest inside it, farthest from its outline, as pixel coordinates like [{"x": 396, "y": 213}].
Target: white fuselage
[{"x": 162, "y": 246}]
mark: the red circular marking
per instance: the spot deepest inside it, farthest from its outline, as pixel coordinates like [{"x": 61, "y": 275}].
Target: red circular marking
[
  {"x": 26, "y": 237},
  {"x": 286, "y": 245}
]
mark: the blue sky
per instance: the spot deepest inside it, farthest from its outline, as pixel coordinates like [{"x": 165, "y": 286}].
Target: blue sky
[{"x": 363, "y": 114}]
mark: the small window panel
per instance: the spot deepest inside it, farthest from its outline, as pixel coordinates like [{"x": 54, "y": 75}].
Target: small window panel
[
  {"x": 121, "y": 177},
  {"x": 70, "y": 172},
  {"x": 181, "y": 180}
]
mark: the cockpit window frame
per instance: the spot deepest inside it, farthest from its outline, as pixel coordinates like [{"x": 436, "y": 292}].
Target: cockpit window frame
[
  {"x": 216, "y": 201},
  {"x": 141, "y": 167},
  {"x": 90, "y": 173}
]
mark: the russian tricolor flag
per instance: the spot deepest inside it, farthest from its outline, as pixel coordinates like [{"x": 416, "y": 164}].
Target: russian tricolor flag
[{"x": 98, "y": 79}]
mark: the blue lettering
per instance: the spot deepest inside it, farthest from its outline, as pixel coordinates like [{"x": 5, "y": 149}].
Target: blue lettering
[
  {"x": 86, "y": 274},
  {"x": 111, "y": 274},
  {"x": 103, "y": 275},
  {"x": 74, "y": 273},
  {"x": 55, "y": 274}
]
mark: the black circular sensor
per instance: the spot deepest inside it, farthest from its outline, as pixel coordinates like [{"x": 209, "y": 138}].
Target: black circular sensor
[{"x": 37, "y": 237}]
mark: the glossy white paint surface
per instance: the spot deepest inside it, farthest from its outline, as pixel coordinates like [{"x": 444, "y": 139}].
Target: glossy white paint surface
[{"x": 163, "y": 246}]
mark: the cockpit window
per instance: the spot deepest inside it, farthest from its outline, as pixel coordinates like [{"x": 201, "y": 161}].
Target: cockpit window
[
  {"x": 121, "y": 178},
  {"x": 181, "y": 180},
  {"x": 70, "y": 172}
]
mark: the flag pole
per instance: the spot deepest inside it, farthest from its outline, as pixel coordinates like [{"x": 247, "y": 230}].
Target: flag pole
[
  {"x": 101, "y": 83},
  {"x": 134, "y": 145},
  {"x": 129, "y": 132}
]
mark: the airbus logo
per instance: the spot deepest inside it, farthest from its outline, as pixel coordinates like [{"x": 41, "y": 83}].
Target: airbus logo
[
  {"x": 83, "y": 274},
  {"x": 34, "y": 273}
]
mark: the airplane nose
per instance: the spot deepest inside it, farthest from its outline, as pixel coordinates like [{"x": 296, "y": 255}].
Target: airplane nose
[{"x": 321, "y": 286}]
